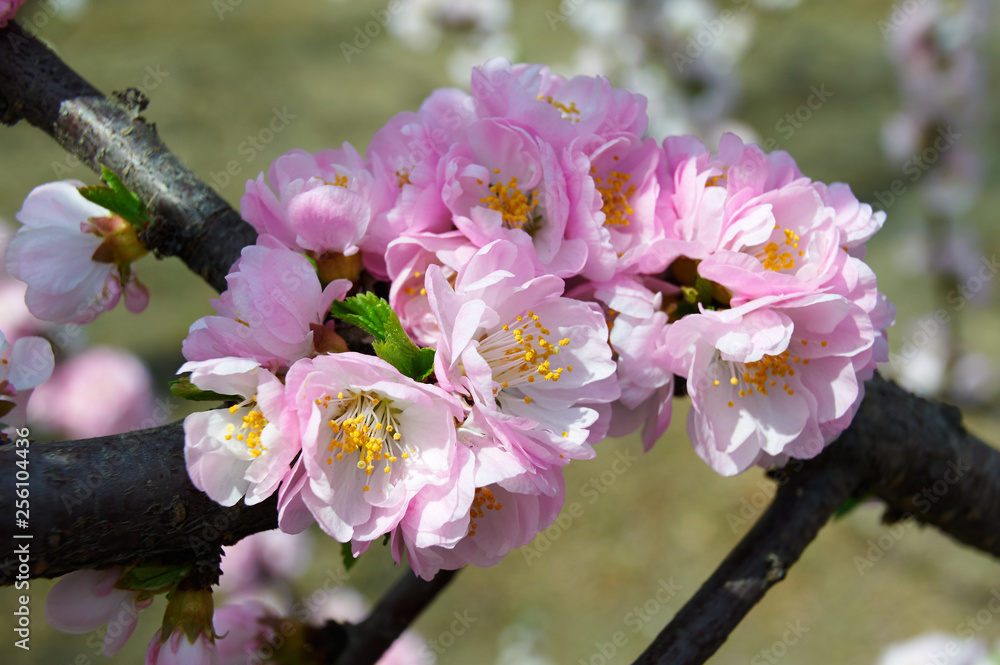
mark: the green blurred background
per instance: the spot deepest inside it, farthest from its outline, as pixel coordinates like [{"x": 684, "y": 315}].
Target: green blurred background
[{"x": 666, "y": 518}]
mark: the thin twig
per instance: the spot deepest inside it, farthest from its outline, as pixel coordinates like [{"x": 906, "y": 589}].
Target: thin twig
[{"x": 368, "y": 640}]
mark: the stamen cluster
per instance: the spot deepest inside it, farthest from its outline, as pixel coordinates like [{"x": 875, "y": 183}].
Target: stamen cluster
[{"x": 564, "y": 269}]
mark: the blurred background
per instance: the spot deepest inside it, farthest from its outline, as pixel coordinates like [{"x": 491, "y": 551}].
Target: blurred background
[{"x": 857, "y": 91}]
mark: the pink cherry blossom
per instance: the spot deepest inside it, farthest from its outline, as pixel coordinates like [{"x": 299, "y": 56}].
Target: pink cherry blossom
[
  {"x": 177, "y": 649},
  {"x": 548, "y": 104},
  {"x": 24, "y": 365},
  {"x": 264, "y": 559},
  {"x": 371, "y": 439},
  {"x": 74, "y": 255},
  {"x": 615, "y": 213},
  {"x": 15, "y": 319},
  {"x": 497, "y": 504},
  {"x": 506, "y": 183},
  {"x": 770, "y": 378},
  {"x": 638, "y": 338},
  {"x": 536, "y": 363},
  {"x": 322, "y": 203},
  {"x": 245, "y": 632},
  {"x": 273, "y": 310},
  {"x": 757, "y": 226},
  {"x": 245, "y": 449},
  {"x": 85, "y": 600},
  {"x": 407, "y": 259},
  {"x": 66, "y": 402},
  {"x": 403, "y": 158}
]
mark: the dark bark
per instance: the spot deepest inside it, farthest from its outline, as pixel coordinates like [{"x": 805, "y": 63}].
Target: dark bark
[
  {"x": 117, "y": 501},
  {"x": 189, "y": 219},
  {"x": 926, "y": 465},
  {"x": 900, "y": 448},
  {"x": 127, "y": 499}
]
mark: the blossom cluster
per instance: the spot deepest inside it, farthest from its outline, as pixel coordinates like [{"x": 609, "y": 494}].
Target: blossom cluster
[{"x": 564, "y": 269}]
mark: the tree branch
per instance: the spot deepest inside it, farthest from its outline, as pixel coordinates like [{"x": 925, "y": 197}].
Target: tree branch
[
  {"x": 189, "y": 219},
  {"x": 127, "y": 499},
  {"x": 900, "y": 448},
  {"x": 117, "y": 501}
]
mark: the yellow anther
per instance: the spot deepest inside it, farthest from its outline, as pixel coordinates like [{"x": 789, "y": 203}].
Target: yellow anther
[
  {"x": 616, "y": 197},
  {"x": 515, "y": 207},
  {"x": 570, "y": 112}
]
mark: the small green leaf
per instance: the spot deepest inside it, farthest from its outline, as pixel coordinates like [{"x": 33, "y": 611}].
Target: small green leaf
[
  {"x": 155, "y": 579},
  {"x": 117, "y": 198},
  {"x": 392, "y": 344},
  {"x": 184, "y": 389},
  {"x": 367, "y": 311},
  {"x": 5, "y": 407},
  {"x": 347, "y": 556}
]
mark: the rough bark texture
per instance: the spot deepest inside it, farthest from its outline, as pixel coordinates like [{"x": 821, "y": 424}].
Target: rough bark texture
[
  {"x": 189, "y": 219},
  {"x": 926, "y": 465},
  {"x": 116, "y": 501}
]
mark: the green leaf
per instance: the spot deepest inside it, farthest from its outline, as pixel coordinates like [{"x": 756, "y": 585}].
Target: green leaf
[
  {"x": 117, "y": 198},
  {"x": 392, "y": 344},
  {"x": 184, "y": 389},
  {"x": 347, "y": 556},
  {"x": 5, "y": 407},
  {"x": 367, "y": 311},
  {"x": 155, "y": 579}
]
